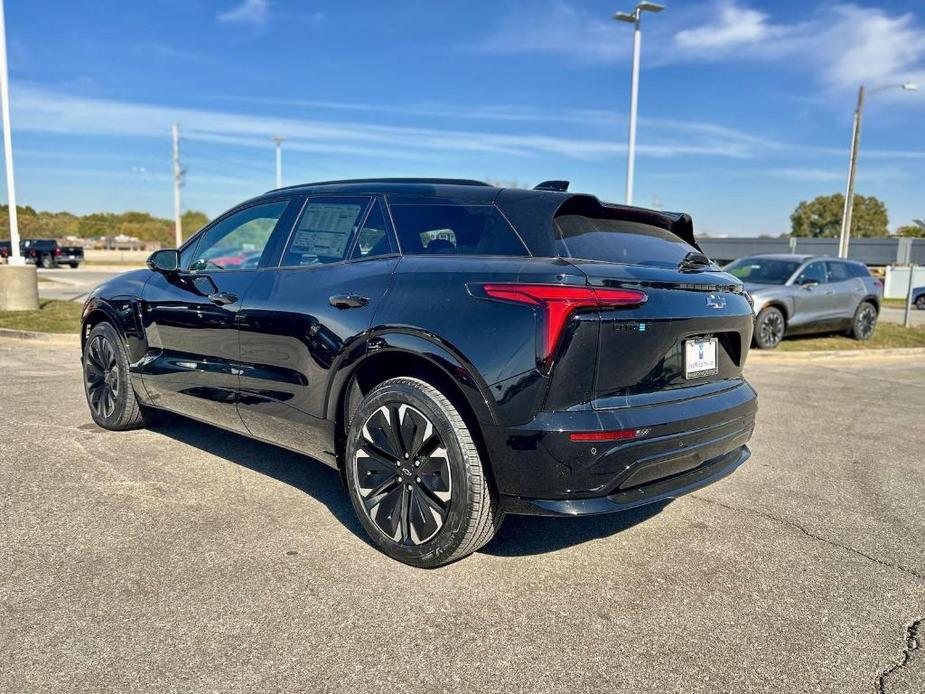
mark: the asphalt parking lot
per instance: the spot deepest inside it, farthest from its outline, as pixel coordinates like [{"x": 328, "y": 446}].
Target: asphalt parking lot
[{"x": 183, "y": 557}]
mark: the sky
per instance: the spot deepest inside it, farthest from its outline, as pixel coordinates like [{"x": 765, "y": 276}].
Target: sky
[{"x": 745, "y": 106}]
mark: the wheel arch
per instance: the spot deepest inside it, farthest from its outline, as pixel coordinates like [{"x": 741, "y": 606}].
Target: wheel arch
[
  {"x": 781, "y": 306},
  {"x": 125, "y": 322},
  {"x": 404, "y": 354}
]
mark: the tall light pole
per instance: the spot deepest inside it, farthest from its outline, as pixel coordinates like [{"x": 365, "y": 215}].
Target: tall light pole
[
  {"x": 853, "y": 162},
  {"x": 15, "y": 256},
  {"x": 633, "y": 18},
  {"x": 279, "y": 159}
]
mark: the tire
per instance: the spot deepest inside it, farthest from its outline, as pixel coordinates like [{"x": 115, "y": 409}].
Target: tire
[
  {"x": 445, "y": 506},
  {"x": 920, "y": 303},
  {"x": 46, "y": 262},
  {"x": 112, "y": 401},
  {"x": 73, "y": 266},
  {"x": 865, "y": 321},
  {"x": 769, "y": 328}
]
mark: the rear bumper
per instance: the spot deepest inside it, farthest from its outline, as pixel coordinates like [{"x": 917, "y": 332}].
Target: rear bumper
[
  {"x": 668, "y": 488},
  {"x": 683, "y": 444}
]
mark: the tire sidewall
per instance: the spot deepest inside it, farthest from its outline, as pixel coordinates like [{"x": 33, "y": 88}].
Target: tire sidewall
[
  {"x": 762, "y": 316},
  {"x": 435, "y": 551},
  {"x": 109, "y": 333}
]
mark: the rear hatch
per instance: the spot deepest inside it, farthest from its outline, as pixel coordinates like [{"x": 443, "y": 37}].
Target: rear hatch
[{"x": 659, "y": 350}]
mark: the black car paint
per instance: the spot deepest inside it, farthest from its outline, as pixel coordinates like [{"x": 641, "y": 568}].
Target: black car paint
[{"x": 279, "y": 362}]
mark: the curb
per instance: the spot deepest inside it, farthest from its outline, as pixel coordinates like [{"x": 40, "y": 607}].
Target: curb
[
  {"x": 813, "y": 355},
  {"x": 69, "y": 339}
]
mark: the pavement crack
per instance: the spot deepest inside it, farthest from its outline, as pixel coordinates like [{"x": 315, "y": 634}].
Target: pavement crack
[
  {"x": 783, "y": 521},
  {"x": 912, "y": 644}
]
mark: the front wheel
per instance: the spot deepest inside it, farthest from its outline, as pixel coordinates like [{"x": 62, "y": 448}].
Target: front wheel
[
  {"x": 865, "y": 321},
  {"x": 920, "y": 303},
  {"x": 769, "y": 328},
  {"x": 415, "y": 477},
  {"x": 112, "y": 401}
]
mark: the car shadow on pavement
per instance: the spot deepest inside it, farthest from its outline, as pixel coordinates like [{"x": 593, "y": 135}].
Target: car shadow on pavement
[
  {"x": 303, "y": 472},
  {"x": 527, "y": 535},
  {"x": 518, "y": 536}
]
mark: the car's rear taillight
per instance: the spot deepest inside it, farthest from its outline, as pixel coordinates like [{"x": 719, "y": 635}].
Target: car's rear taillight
[
  {"x": 57, "y": 251},
  {"x": 878, "y": 283},
  {"x": 559, "y": 302}
]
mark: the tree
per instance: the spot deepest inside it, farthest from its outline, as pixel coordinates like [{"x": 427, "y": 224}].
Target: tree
[
  {"x": 911, "y": 230},
  {"x": 821, "y": 217}
]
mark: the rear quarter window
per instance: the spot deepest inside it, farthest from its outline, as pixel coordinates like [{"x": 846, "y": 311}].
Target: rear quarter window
[
  {"x": 618, "y": 241},
  {"x": 443, "y": 229}
]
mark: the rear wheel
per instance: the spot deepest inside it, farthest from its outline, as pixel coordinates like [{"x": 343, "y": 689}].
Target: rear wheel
[
  {"x": 769, "y": 328},
  {"x": 112, "y": 401},
  {"x": 46, "y": 262},
  {"x": 865, "y": 321},
  {"x": 73, "y": 266},
  {"x": 415, "y": 477},
  {"x": 920, "y": 303}
]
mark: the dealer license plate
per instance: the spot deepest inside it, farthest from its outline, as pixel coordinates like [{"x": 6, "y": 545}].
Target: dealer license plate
[{"x": 700, "y": 358}]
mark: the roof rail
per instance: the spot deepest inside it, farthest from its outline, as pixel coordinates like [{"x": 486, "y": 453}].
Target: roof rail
[{"x": 432, "y": 181}]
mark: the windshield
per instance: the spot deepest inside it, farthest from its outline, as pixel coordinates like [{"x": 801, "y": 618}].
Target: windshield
[{"x": 762, "y": 270}]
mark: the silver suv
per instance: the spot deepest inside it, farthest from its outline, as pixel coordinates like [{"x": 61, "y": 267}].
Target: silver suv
[{"x": 798, "y": 294}]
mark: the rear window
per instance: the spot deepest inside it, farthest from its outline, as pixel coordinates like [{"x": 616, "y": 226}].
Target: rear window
[
  {"x": 618, "y": 241},
  {"x": 455, "y": 230}
]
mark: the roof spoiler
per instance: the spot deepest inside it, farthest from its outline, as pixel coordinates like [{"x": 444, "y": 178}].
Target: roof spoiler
[{"x": 561, "y": 186}]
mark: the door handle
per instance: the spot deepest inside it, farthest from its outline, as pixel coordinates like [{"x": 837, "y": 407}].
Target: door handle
[
  {"x": 343, "y": 301},
  {"x": 222, "y": 298}
]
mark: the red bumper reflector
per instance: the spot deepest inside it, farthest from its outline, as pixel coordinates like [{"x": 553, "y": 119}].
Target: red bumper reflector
[{"x": 624, "y": 435}]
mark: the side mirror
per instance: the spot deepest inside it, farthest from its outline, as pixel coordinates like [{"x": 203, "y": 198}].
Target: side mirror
[{"x": 167, "y": 260}]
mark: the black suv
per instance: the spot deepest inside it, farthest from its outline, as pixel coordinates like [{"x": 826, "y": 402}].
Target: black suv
[{"x": 457, "y": 350}]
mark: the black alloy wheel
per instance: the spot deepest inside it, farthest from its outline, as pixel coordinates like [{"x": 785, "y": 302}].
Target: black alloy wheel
[
  {"x": 865, "y": 321},
  {"x": 769, "y": 328},
  {"x": 415, "y": 476},
  {"x": 112, "y": 400},
  {"x": 101, "y": 374},
  {"x": 403, "y": 474}
]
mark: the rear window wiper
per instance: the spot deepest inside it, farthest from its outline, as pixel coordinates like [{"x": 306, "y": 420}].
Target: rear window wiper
[{"x": 694, "y": 261}]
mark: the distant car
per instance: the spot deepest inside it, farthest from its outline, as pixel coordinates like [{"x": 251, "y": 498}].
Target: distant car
[
  {"x": 48, "y": 254},
  {"x": 5, "y": 250},
  {"x": 799, "y": 294},
  {"x": 918, "y": 298}
]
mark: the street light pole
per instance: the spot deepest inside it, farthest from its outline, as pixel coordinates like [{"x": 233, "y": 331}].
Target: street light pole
[
  {"x": 15, "y": 256},
  {"x": 634, "y": 18},
  {"x": 279, "y": 160},
  {"x": 845, "y": 236},
  {"x": 177, "y": 183}
]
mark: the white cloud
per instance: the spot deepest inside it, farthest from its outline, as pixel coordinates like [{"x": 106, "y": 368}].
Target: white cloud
[
  {"x": 840, "y": 45},
  {"x": 732, "y": 27},
  {"x": 39, "y": 110},
  {"x": 248, "y": 12}
]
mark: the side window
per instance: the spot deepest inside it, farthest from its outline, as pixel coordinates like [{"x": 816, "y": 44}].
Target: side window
[
  {"x": 814, "y": 272},
  {"x": 455, "y": 230},
  {"x": 838, "y": 272},
  {"x": 858, "y": 270},
  {"x": 237, "y": 242},
  {"x": 324, "y": 231},
  {"x": 374, "y": 238}
]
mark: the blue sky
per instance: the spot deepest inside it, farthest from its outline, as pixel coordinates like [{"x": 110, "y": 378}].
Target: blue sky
[{"x": 745, "y": 106}]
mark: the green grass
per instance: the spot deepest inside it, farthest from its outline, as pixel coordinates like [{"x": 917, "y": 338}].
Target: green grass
[
  {"x": 896, "y": 303},
  {"x": 52, "y": 317},
  {"x": 888, "y": 335}
]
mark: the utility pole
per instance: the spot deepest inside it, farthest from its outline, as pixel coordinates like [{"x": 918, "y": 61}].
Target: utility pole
[
  {"x": 15, "y": 256},
  {"x": 853, "y": 162},
  {"x": 852, "y": 169},
  {"x": 177, "y": 182},
  {"x": 279, "y": 159}
]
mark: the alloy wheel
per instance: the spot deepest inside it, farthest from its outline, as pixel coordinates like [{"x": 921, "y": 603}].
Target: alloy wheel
[
  {"x": 102, "y": 376},
  {"x": 403, "y": 474},
  {"x": 772, "y": 329},
  {"x": 867, "y": 321}
]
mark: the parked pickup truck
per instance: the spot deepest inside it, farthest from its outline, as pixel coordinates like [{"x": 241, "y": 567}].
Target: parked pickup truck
[{"x": 47, "y": 253}]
